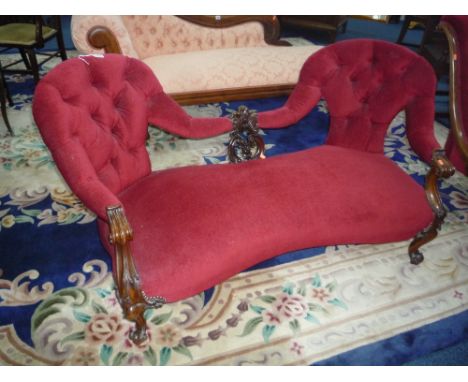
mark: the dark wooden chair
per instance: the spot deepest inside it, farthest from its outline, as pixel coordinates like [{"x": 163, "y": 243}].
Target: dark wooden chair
[
  {"x": 3, "y": 98},
  {"x": 28, "y": 34},
  {"x": 429, "y": 23}
]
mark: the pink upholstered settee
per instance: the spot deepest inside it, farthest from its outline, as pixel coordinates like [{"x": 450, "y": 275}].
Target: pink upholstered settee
[{"x": 200, "y": 58}]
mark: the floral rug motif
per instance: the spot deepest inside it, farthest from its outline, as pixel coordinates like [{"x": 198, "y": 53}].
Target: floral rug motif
[{"x": 333, "y": 305}]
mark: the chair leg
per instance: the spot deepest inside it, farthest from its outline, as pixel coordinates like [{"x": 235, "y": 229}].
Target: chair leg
[
  {"x": 344, "y": 27},
  {"x": 440, "y": 168},
  {"x": 34, "y": 66},
  {"x": 5, "y": 89},
  {"x": 3, "y": 107},
  {"x": 424, "y": 237},
  {"x": 131, "y": 297},
  {"x": 61, "y": 44},
  {"x": 24, "y": 56},
  {"x": 403, "y": 30},
  {"x": 139, "y": 333}
]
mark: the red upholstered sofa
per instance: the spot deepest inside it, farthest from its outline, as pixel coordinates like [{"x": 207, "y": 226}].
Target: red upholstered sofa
[{"x": 190, "y": 226}]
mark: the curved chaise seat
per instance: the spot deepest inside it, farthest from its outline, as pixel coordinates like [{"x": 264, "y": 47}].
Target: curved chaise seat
[
  {"x": 183, "y": 230},
  {"x": 194, "y": 227}
]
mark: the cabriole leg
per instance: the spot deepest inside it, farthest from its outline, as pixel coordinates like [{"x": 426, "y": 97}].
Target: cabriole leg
[
  {"x": 132, "y": 298},
  {"x": 440, "y": 168}
]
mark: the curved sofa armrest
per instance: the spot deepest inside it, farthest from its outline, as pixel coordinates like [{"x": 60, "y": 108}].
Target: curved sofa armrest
[
  {"x": 81, "y": 176},
  {"x": 301, "y": 101},
  {"x": 165, "y": 113},
  {"x": 420, "y": 127},
  {"x": 81, "y": 26},
  {"x": 440, "y": 168}
]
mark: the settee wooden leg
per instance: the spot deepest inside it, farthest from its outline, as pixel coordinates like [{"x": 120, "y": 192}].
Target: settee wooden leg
[
  {"x": 423, "y": 237},
  {"x": 440, "y": 168},
  {"x": 131, "y": 297},
  {"x": 135, "y": 313}
]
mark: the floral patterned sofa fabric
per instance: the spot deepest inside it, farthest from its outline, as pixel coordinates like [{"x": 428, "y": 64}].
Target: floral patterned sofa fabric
[
  {"x": 197, "y": 60},
  {"x": 155, "y": 35},
  {"x": 229, "y": 68}
]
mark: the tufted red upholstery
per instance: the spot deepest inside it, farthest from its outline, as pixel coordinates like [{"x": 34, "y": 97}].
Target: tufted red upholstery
[
  {"x": 365, "y": 84},
  {"x": 93, "y": 113},
  {"x": 196, "y": 226},
  {"x": 460, "y": 27}
]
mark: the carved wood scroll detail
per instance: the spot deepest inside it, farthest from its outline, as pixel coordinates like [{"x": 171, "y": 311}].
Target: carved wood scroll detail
[
  {"x": 455, "y": 105},
  {"x": 245, "y": 143},
  {"x": 131, "y": 297},
  {"x": 101, "y": 37},
  {"x": 440, "y": 168}
]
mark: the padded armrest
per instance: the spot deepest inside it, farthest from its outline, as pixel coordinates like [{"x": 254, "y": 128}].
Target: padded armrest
[
  {"x": 165, "y": 113},
  {"x": 81, "y": 177},
  {"x": 299, "y": 104},
  {"x": 420, "y": 115},
  {"x": 69, "y": 155}
]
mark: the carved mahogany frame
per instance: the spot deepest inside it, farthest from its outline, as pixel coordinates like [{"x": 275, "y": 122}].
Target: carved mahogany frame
[
  {"x": 440, "y": 168},
  {"x": 131, "y": 297},
  {"x": 455, "y": 106},
  {"x": 101, "y": 37},
  {"x": 236, "y": 94},
  {"x": 245, "y": 142}
]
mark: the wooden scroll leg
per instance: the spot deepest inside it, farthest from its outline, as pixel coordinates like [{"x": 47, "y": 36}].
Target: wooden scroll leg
[
  {"x": 131, "y": 297},
  {"x": 440, "y": 168}
]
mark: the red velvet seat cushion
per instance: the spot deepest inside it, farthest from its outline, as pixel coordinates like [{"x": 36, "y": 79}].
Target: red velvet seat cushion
[{"x": 196, "y": 226}]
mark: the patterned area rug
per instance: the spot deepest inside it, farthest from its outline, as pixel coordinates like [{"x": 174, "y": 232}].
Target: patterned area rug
[{"x": 353, "y": 305}]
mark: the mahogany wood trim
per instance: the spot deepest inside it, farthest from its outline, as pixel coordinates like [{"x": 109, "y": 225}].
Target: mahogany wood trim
[
  {"x": 236, "y": 94},
  {"x": 455, "y": 105},
  {"x": 440, "y": 168},
  {"x": 101, "y": 37},
  {"x": 271, "y": 25},
  {"x": 131, "y": 297}
]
